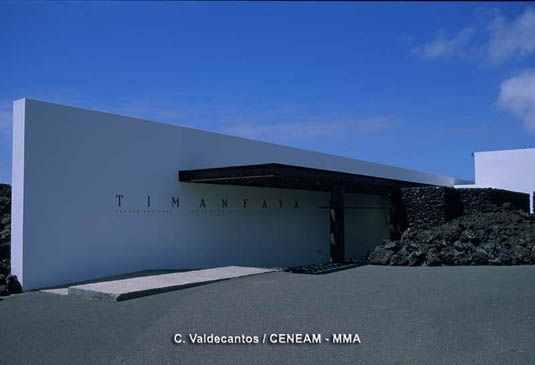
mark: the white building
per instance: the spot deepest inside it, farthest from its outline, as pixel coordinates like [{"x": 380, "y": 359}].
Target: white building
[
  {"x": 508, "y": 169},
  {"x": 97, "y": 194}
]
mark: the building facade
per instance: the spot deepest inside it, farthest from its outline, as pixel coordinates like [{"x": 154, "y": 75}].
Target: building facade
[{"x": 97, "y": 194}]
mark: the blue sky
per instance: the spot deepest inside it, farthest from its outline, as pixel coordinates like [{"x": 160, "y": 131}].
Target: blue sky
[{"x": 413, "y": 85}]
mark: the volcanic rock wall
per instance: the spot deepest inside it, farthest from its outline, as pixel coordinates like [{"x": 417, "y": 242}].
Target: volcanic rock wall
[
  {"x": 8, "y": 283},
  {"x": 424, "y": 207},
  {"x": 485, "y": 200}
]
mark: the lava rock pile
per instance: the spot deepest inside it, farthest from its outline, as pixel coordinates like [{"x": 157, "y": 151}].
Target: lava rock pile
[
  {"x": 8, "y": 283},
  {"x": 502, "y": 237}
]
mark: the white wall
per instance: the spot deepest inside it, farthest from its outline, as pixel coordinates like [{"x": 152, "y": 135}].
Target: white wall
[
  {"x": 510, "y": 170},
  {"x": 69, "y": 164}
]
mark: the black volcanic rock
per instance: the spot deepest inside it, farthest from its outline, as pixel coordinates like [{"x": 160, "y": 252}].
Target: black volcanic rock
[
  {"x": 381, "y": 255},
  {"x": 5, "y": 190},
  {"x": 8, "y": 283},
  {"x": 13, "y": 285},
  {"x": 501, "y": 237},
  {"x": 5, "y": 249},
  {"x": 5, "y": 267}
]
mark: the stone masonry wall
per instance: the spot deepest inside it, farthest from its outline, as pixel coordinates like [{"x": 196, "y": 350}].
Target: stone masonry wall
[
  {"x": 423, "y": 207},
  {"x": 485, "y": 200}
]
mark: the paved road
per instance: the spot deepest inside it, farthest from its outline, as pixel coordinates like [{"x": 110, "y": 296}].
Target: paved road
[{"x": 448, "y": 315}]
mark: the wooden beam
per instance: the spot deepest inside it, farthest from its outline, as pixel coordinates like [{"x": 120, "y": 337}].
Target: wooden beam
[
  {"x": 336, "y": 205},
  {"x": 291, "y": 177},
  {"x": 230, "y": 178}
]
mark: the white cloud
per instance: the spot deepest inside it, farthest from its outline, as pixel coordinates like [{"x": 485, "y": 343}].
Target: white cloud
[
  {"x": 512, "y": 39},
  {"x": 444, "y": 47},
  {"x": 270, "y": 123},
  {"x": 307, "y": 130},
  {"x": 517, "y": 96},
  {"x": 495, "y": 42}
]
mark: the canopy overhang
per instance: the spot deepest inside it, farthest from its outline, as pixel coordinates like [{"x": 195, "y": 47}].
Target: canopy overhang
[{"x": 276, "y": 175}]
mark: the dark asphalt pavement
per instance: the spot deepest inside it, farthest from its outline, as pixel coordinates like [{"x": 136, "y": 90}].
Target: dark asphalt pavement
[{"x": 427, "y": 315}]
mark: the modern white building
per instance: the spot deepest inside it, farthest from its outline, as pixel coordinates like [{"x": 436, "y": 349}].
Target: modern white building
[
  {"x": 507, "y": 169},
  {"x": 97, "y": 194}
]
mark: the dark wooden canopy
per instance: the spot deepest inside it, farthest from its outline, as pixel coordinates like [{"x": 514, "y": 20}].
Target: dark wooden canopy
[{"x": 276, "y": 175}]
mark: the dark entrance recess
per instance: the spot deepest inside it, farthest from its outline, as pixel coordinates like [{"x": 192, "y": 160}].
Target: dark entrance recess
[{"x": 275, "y": 175}]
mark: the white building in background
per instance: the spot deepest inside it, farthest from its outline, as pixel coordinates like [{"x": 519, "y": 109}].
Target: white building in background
[{"x": 512, "y": 170}]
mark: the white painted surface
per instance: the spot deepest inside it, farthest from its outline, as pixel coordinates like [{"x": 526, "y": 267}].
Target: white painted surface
[
  {"x": 17, "y": 189},
  {"x": 147, "y": 285},
  {"x": 58, "y": 291},
  {"x": 69, "y": 164},
  {"x": 510, "y": 170}
]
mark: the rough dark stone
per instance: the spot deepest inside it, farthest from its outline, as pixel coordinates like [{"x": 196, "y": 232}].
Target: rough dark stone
[
  {"x": 5, "y": 235},
  {"x": 484, "y": 200},
  {"x": 5, "y": 190},
  {"x": 392, "y": 245},
  {"x": 502, "y": 237},
  {"x": 521, "y": 255},
  {"x": 380, "y": 256},
  {"x": 433, "y": 258},
  {"x": 6, "y": 220},
  {"x": 13, "y": 285},
  {"x": 446, "y": 256},
  {"x": 408, "y": 235},
  {"x": 507, "y": 206},
  {"x": 467, "y": 236},
  {"x": 480, "y": 257},
  {"x": 5, "y": 251},
  {"x": 8, "y": 283},
  {"x": 5, "y": 205},
  {"x": 399, "y": 259},
  {"x": 463, "y": 258},
  {"x": 422, "y": 207},
  {"x": 416, "y": 258}
]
